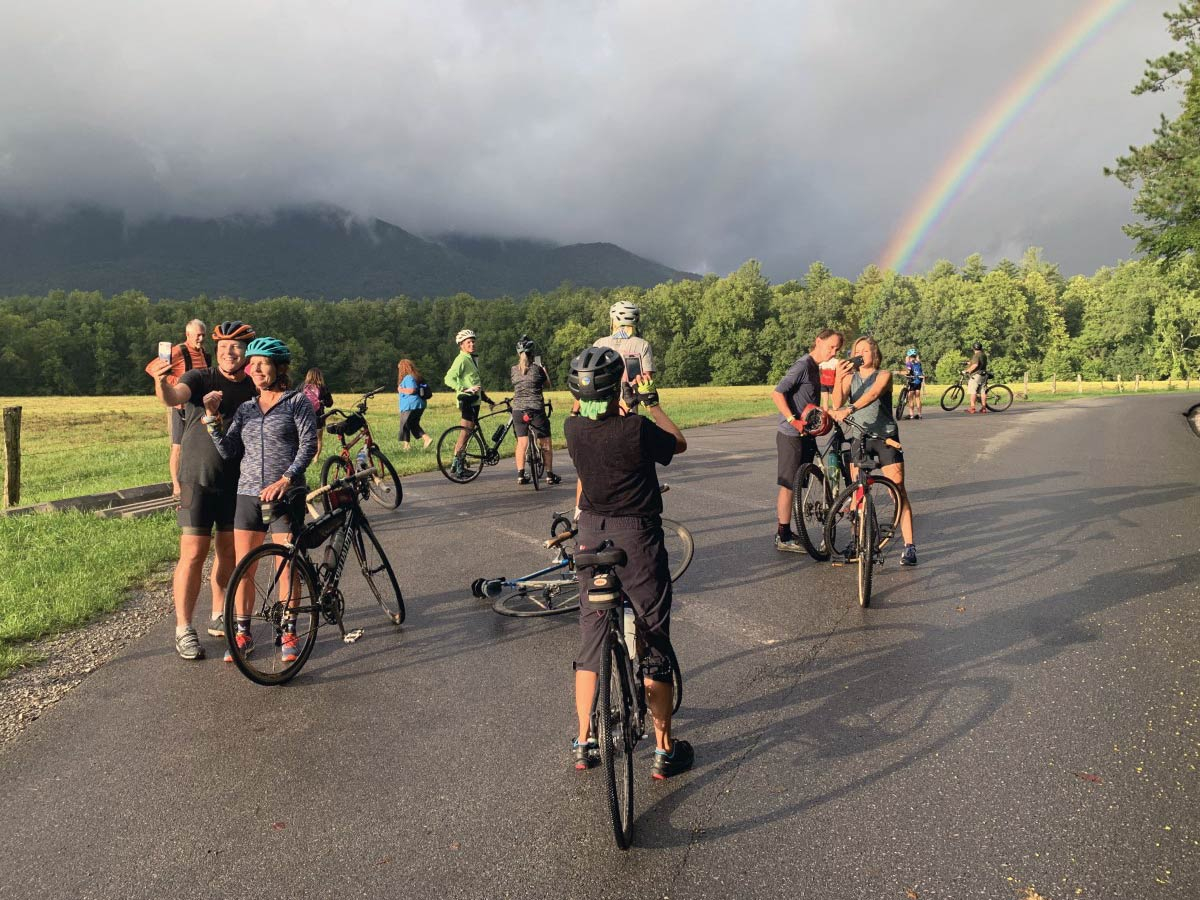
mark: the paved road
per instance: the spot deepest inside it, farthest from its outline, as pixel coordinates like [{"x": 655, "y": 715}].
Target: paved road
[{"x": 1019, "y": 711}]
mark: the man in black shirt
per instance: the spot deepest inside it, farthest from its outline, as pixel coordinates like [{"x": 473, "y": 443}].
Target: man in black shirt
[
  {"x": 800, "y": 386},
  {"x": 615, "y": 452},
  {"x": 207, "y": 483}
]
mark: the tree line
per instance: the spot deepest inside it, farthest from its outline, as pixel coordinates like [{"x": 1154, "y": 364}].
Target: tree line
[{"x": 1134, "y": 318}]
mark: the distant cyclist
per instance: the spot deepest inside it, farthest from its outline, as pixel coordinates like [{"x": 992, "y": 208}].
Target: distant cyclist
[
  {"x": 977, "y": 380},
  {"x": 633, "y": 350},
  {"x": 463, "y": 377},
  {"x": 915, "y": 373},
  {"x": 530, "y": 378},
  {"x": 620, "y": 500},
  {"x": 864, "y": 395}
]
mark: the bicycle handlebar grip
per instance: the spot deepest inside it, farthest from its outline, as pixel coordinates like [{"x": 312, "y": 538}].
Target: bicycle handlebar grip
[
  {"x": 893, "y": 443},
  {"x": 313, "y": 495},
  {"x": 560, "y": 539}
]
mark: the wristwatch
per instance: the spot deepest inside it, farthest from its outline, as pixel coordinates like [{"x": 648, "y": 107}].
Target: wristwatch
[{"x": 791, "y": 419}]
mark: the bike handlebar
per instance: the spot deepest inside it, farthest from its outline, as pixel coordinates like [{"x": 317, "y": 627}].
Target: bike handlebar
[{"x": 326, "y": 488}]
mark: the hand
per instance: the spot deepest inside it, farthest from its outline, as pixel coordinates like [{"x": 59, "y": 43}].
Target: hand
[
  {"x": 650, "y": 399},
  {"x": 628, "y": 400},
  {"x": 276, "y": 490},
  {"x": 844, "y": 367},
  {"x": 212, "y": 402},
  {"x": 839, "y": 415},
  {"x": 159, "y": 368}
]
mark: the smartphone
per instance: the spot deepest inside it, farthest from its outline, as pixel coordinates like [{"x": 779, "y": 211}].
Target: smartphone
[
  {"x": 164, "y": 351},
  {"x": 856, "y": 361},
  {"x": 633, "y": 367}
]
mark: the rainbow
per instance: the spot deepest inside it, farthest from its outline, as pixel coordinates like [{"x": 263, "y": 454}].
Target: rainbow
[{"x": 964, "y": 161}]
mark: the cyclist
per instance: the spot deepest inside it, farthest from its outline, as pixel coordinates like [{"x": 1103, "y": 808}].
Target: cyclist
[
  {"x": 864, "y": 395},
  {"x": 915, "y": 373},
  {"x": 798, "y": 389},
  {"x": 620, "y": 500},
  {"x": 635, "y": 351},
  {"x": 184, "y": 357},
  {"x": 208, "y": 484},
  {"x": 530, "y": 378},
  {"x": 463, "y": 377},
  {"x": 977, "y": 383},
  {"x": 275, "y": 436}
]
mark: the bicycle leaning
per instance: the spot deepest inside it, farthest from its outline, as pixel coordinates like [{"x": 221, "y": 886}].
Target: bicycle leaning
[
  {"x": 996, "y": 397},
  {"x": 464, "y": 465},
  {"x": 385, "y": 487},
  {"x": 283, "y": 596}
]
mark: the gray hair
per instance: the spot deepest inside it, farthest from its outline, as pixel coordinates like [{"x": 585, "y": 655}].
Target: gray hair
[{"x": 193, "y": 323}]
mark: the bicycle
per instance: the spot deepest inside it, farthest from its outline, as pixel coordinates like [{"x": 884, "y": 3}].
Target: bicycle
[
  {"x": 289, "y": 596},
  {"x": 818, "y": 484},
  {"x": 555, "y": 589},
  {"x": 385, "y": 488},
  {"x": 619, "y": 708},
  {"x": 535, "y": 462},
  {"x": 465, "y": 466},
  {"x": 852, "y": 530},
  {"x": 996, "y": 397},
  {"x": 909, "y": 383}
]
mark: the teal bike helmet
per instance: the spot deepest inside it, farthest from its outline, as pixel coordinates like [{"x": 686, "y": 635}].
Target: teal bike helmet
[
  {"x": 270, "y": 347},
  {"x": 912, "y": 351}
]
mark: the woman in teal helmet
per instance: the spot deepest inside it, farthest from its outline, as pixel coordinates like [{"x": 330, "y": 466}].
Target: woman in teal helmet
[
  {"x": 275, "y": 438},
  {"x": 915, "y": 373}
]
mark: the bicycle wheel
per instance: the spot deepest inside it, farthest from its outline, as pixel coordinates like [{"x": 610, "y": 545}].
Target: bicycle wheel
[
  {"x": 528, "y": 602},
  {"x": 866, "y": 549},
  {"x": 334, "y": 468},
  {"x": 842, "y": 521},
  {"x": 386, "y": 489},
  {"x": 531, "y": 461},
  {"x": 953, "y": 397},
  {"x": 901, "y": 403},
  {"x": 999, "y": 397},
  {"x": 282, "y": 597},
  {"x": 885, "y": 498},
  {"x": 810, "y": 507},
  {"x": 377, "y": 571},
  {"x": 681, "y": 547},
  {"x": 539, "y": 458},
  {"x": 614, "y": 706},
  {"x": 469, "y": 463}
]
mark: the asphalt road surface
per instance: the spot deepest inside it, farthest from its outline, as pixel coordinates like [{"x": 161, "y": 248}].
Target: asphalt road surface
[{"x": 1016, "y": 714}]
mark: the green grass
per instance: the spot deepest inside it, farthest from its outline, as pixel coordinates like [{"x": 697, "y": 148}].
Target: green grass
[{"x": 61, "y": 570}]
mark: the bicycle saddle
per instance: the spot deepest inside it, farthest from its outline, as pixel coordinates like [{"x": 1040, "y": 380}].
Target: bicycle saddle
[{"x": 608, "y": 557}]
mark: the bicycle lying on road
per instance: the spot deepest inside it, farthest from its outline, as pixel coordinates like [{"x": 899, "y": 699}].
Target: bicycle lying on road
[
  {"x": 385, "y": 487},
  {"x": 996, "y": 397},
  {"x": 465, "y": 465},
  {"x": 286, "y": 596}
]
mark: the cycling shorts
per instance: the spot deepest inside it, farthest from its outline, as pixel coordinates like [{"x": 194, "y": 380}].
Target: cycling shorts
[
  {"x": 538, "y": 423},
  {"x": 201, "y": 508},
  {"x": 468, "y": 411},
  {"x": 878, "y": 448},
  {"x": 646, "y": 581},
  {"x": 793, "y": 452},
  {"x": 249, "y": 516},
  {"x": 177, "y": 423}
]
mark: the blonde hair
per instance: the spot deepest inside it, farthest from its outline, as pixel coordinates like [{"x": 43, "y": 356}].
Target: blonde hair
[{"x": 876, "y": 356}]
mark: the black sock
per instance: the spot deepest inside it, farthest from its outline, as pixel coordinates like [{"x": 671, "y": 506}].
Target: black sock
[{"x": 785, "y": 531}]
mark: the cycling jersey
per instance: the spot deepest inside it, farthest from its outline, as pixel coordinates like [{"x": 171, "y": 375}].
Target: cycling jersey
[
  {"x": 281, "y": 442},
  {"x": 527, "y": 388},
  {"x": 630, "y": 347},
  {"x": 463, "y": 375}
]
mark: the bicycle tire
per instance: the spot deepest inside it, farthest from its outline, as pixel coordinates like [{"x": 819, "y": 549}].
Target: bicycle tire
[
  {"x": 839, "y": 522},
  {"x": 810, "y": 508},
  {"x": 531, "y": 467},
  {"x": 385, "y": 486},
  {"x": 901, "y": 403},
  {"x": 1003, "y": 394},
  {"x": 378, "y": 573},
  {"x": 866, "y": 549},
  {"x": 527, "y": 603},
  {"x": 473, "y": 455},
  {"x": 335, "y": 468},
  {"x": 539, "y": 458},
  {"x": 614, "y": 704},
  {"x": 264, "y": 664},
  {"x": 681, "y": 547},
  {"x": 952, "y": 398}
]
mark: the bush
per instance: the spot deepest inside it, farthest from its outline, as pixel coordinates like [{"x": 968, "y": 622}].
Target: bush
[{"x": 949, "y": 367}]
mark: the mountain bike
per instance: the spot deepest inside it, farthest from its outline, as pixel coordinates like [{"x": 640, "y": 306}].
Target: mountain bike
[
  {"x": 555, "y": 589},
  {"x": 385, "y": 487},
  {"x": 288, "y": 595},
  {"x": 909, "y": 382},
  {"x": 817, "y": 486},
  {"x": 855, "y": 532},
  {"x": 619, "y": 710},
  {"x": 996, "y": 397},
  {"x": 477, "y": 452}
]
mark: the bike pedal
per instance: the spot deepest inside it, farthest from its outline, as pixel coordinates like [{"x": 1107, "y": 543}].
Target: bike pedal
[{"x": 351, "y": 636}]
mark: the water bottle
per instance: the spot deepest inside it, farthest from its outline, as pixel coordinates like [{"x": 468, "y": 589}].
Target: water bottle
[
  {"x": 497, "y": 434},
  {"x": 631, "y": 634},
  {"x": 361, "y": 462},
  {"x": 833, "y": 467}
]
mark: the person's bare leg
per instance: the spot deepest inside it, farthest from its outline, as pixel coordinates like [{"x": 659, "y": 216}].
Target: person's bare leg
[
  {"x": 660, "y": 698},
  {"x": 462, "y": 436},
  {"x": 193, "y": 550},
  {"x": 519, "y": 456},
  {"x": 222, "y": 570},
  {"x": 547, "y": 453},
  {"x": 895, "y": 472},
  {"x": 243, "y": 543},
  {"x": 585, "y": 692},
  {"x": 783, "y": 507},
  {"x": 175, "y": 469}
]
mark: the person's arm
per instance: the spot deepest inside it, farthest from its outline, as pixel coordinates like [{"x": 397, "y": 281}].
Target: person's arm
[
  {"x": 454, "y": 379},
  {"x": 306, "y": 430},
  {"x": 648, "y": 361},
  {"x": 407, "y": 390},
  {"x": 226, "y": 436},
  {"x": 972, "y": 365},
  {"x": 663, "y": 421},
  {"x": 170, "y": 391}
]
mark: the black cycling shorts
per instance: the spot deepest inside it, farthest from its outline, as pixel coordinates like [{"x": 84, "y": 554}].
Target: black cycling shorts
[
  {"x": 646, "y": 581},
  {"x": 249, "y": 516},
  {"x": 793, "y": 452},
  {"x": 177, "y": 423},
  {"x": 538, "y": 423},
  {"x": 878, "y": 448},
  {"x": 201, "y": 508},
  {"x": 468, "y": 411}
]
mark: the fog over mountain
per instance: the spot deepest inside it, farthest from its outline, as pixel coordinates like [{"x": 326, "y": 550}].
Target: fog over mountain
[{"x": 697, "y": 134}]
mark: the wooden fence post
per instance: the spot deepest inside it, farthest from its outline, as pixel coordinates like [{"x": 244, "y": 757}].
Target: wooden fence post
[
  {"x": 1079, "y": 381},
  {"x": 1137, "y": 383},
  {"x": 1025, "y": 391},
  {"x": 1120, "y": 384},
  {"x": 12, "y": 456}
]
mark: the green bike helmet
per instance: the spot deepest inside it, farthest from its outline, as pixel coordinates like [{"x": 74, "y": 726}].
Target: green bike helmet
[{"x": 270, "y": 347}]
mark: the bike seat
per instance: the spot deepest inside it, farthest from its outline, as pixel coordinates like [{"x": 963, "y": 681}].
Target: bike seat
[{"x": 613, "y": 556}]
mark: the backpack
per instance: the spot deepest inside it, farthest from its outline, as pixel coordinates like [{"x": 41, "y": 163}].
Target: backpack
[
  {"x": 424, "y": 391},
  {"x": 313, "y": 393}
]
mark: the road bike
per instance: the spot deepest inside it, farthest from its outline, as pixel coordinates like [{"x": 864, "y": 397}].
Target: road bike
[
  {"x": 858, "y": 527},
  {"x": 996, "y": 397},
  {"x": 288, "y": 595},
  {"x": 818, "y": 485},
  {"x": 555, "y": 588},
  {"x": 619, "y": 710},
  {"x": 535, "y": 462},
  {"x": 465, "y": 465},
  {"x": 385, "y": 487}
]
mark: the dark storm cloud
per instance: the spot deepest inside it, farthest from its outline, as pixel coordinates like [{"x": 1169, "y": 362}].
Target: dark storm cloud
[{"x": 699, "y": 134}]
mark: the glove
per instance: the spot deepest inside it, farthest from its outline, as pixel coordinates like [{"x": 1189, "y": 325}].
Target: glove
[
  {"x": 628, "y": 397},
  {"x": 650, "y": 399}
]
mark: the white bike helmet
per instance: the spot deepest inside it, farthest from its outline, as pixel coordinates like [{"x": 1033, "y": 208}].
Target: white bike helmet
[
  {"x": 463, "y": 335},
  {"x": 624, "y": 313}
]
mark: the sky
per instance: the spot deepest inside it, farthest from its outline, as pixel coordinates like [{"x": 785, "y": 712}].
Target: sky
[{"x": 699, "y": 134}]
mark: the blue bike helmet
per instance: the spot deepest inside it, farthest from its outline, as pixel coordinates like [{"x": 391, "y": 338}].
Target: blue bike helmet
[
  {"x": 270, "y": 347},
  {"x": 912, "y": 351}
]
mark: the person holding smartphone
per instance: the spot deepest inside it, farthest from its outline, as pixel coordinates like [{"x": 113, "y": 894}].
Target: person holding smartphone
[
  {"x": 635, "y": 351},
  {"x": 530, "y": 379},
  {"x": 183, "y": 357}
]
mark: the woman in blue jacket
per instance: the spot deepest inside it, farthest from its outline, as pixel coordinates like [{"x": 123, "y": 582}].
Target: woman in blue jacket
[{"x": 412, "y": 405}]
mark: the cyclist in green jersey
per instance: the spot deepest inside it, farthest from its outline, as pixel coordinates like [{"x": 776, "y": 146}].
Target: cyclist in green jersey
[{"x": 463, "y": 377}]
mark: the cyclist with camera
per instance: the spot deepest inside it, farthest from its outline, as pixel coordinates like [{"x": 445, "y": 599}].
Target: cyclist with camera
[
  {"x": 615, "y": 452},
  {"x": 530, "y": 379},
  {"x": 464, "y": 379},
  {"x": 863, "y": 394}
]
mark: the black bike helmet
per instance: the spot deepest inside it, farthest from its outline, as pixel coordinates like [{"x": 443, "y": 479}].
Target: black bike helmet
[
  {"x": 525, "y": 344},
  {"x": 596, "y": 374},
  {"x": 977, "y": 346}
]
